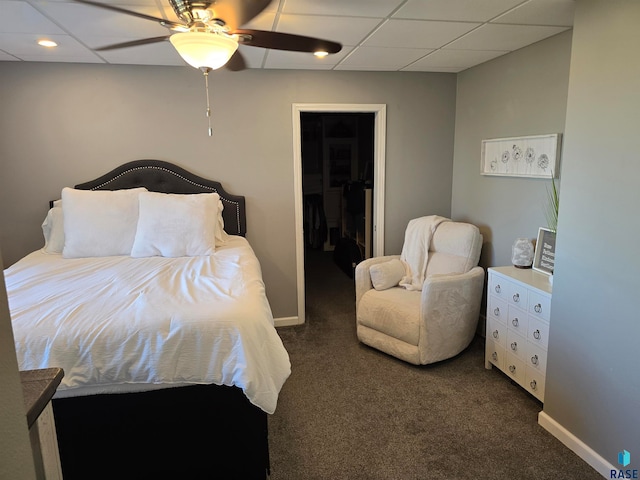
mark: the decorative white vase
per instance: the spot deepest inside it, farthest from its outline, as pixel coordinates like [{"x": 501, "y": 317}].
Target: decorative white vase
[{"x": 522, "y": 253}]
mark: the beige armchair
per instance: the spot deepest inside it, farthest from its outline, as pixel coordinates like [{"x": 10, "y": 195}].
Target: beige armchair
[{"x": 432, "y": 324}]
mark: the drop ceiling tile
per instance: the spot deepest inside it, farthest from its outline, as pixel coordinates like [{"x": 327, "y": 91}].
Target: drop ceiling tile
[
  {"x": 455, "y": 10},
  {"x": 504, "y": 37},
  {"x": 85, "y": 21},
  {"x": 253, "y": 56},
  {"x": 453, "y": 59},
  {"x": 292, "y": 60},
  {"x": 5, "y": 57},
  {"x": 382, "y": 57},
  {"x": 541, "y": 12},
  {"x": 26, "y": 44},
  {"x": 264, "y": 21},
  {"x": 436, "y": 69},
  {"x": 161, "y": 53},
  {"x": 272, "y": 7},
  {"x": 20, "y": 17},
  {"x": 61, "y": 59},
  {"x": 347, "y": 31},
  {"x": 350, "y": 8},
  {"x": 417, "y": 33}
]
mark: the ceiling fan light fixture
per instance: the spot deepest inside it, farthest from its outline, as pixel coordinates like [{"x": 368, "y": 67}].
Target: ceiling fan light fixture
[
  {"x": 204, "y": 49},
  {"x": 321, "y": 53}
]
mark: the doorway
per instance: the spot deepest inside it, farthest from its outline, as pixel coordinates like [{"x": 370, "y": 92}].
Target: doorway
[
  {"x": 337, "y": 181},
  {"x": 331, "y": 176}
]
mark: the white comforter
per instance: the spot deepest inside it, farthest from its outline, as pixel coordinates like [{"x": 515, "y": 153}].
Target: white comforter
[{"x": 119, "y": 324}]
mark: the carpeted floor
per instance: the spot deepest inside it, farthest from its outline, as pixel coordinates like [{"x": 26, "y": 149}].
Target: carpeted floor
[{"x": 351, "y": 412}]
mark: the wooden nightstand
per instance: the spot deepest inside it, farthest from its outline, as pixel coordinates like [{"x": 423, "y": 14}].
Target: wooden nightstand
[{"x": 38, "y": 387}]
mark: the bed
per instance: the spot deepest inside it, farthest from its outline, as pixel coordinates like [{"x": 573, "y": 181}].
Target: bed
[{"x": 151, "y": 299}]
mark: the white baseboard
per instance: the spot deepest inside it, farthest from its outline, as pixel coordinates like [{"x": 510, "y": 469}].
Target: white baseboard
[
  {"x": 576, "y": 445},
  {"x": 287, "y": 321}
]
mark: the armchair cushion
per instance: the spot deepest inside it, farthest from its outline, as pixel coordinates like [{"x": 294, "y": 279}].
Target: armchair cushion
[
  {"x": 387, "y": 274},
  {"x": 379, "y": 311}
]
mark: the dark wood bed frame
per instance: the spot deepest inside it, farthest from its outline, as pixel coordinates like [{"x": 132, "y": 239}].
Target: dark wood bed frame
[{"x": 194, "y": 432}]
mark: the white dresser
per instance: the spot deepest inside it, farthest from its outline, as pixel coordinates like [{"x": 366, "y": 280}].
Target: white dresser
[{"x": 517, "y": 332}]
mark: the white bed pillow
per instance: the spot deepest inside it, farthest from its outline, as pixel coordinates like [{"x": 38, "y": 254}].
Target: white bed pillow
[
  {"x": 175, "y": 225},
  {"x": 53, "y": 231},
  {"x": 221, "y": 235},
  {"x": 99, "y": 223},
  {"x": 387, "y": 274}
]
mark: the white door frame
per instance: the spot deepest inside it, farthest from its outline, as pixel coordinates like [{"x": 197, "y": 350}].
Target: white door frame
[{"x": 379, "y": 149}]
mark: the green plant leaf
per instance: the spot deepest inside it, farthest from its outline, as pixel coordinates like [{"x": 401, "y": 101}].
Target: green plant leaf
[{"x": 553, "y": 203}]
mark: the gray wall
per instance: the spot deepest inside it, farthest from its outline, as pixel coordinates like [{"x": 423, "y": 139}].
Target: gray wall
[
  {"x": 63, "y": 124},
  {"x": 524, "y": 93},
  {"x": 586, "y": 85},
  {"x": 593, "y": 384}
]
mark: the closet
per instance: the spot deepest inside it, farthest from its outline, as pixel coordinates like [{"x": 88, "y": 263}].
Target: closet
[{"x": 337, "y": 159}]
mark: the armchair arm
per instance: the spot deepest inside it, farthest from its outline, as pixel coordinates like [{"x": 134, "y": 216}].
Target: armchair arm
[
  {"x": 450, "y": 308},
  {"x": 363, "y": 277}
]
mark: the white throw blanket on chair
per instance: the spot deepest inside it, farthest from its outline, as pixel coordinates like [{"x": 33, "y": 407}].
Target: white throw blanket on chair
[{"x": 415, "y": 250}]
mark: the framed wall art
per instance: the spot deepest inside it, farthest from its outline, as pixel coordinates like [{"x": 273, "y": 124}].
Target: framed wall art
[
  {"x": 544, "y": 259},
  {"x": 535, "y": 156}
]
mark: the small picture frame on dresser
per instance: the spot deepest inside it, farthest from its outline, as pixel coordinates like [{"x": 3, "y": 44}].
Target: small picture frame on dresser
[{"x": 544, "y": 258}]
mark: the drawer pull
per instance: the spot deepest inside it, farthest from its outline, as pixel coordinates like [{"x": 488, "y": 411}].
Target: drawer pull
[
  {"x": 534, "y": 385},
  {"x": 537, "y": 335},
  {"x": 514, "y": 346},
  {"x": 512, "y": 369},
  {"x": 496, "y": 311},
  {"x": 515, "y": 322},
  {"x": 495, "y": 334},
  {"x": 537, "y": 308},
  {"x": 516, "y": 297},
  {"x": 534, "y": 359},
  {"x": 494, "y": 356},
  {"x": 497, "y": 288}
]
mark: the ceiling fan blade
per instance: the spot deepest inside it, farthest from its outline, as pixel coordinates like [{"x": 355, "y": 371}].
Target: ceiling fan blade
[
  {"x": 133, "y": 43},
  {"x": 236, "y": 13},
  {"x": 285, "y": 41},
  {"x": 236, "y": 62},
  {"x": 161, "y": 21}
]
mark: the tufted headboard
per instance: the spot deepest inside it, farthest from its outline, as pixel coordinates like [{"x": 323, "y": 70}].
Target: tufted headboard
[{"x": 165, "y": 177}]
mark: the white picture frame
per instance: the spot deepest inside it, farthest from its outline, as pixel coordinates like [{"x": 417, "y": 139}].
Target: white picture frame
[
  {"x": 544, "y": 258},
  {"x": 534, "y": 156}
]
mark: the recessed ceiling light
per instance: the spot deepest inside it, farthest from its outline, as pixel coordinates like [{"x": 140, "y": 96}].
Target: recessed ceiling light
[{"x": 47, "y": 43}]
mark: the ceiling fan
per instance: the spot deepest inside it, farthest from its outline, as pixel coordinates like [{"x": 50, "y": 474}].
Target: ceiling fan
[
  {"x": 210, "y": 34},
  {"x": 209, "y": 37}
]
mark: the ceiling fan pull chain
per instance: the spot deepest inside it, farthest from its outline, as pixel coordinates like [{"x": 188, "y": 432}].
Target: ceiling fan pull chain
[{"x": 206, "y": 87}]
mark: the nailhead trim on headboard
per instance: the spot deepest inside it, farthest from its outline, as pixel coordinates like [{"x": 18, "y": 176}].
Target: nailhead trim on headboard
[
  {"x": 163, "y": 176},
  {"x": 155, "y": 167}
]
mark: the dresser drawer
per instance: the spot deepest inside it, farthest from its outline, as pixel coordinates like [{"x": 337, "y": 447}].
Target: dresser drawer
[
  {"x": 539, "y": 305},
  {"x": 538, "y": 332},
  {"x": 498, "y": 286},
  {"x": 517, "y": 345},
  {"x": 534, "y": 383},
  {"x": 497, "y": 332},
  {"x": 515, "y": 368},
  {"x": 497, "y": 309},
  {"x": 518, "y": 295},
  {"x": 536, "y": 358},
  {"x": 517, "y": 320},
  {"x": 494, "y": 353}
]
